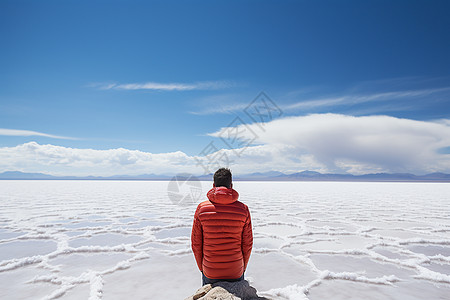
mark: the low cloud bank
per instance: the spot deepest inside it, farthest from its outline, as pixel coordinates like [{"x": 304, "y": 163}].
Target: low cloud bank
[
  {"x": 336, "y": 143},
  {"x": 320, "y": 142}
]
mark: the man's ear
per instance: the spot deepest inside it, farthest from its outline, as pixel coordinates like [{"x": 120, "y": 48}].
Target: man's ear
[{"x": 214, "y": 185}]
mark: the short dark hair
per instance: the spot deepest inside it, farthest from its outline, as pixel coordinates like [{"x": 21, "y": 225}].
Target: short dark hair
[{"x": 222, "y": 177}]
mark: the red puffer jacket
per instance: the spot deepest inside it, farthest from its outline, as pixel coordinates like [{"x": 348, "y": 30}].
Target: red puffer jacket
[{"x": 222, "y": 237}]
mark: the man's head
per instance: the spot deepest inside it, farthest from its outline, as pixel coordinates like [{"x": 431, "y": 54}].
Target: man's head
[{"x": 222, "y": 177}]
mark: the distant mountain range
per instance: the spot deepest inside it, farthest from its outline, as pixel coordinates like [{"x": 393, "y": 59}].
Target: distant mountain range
[{"x": 266, "y": 176}]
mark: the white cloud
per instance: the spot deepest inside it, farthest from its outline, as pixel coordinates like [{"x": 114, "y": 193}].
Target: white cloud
[
  {"x": 319, "y": 142},
  {"x": 205, "y": 85},
  {"x": 58, "y": 160},
  {"x": 18, "y": 132},
  {"x": 357, "y": 144}
]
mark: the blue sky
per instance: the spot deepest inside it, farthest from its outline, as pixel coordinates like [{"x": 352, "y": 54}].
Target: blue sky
[{"x": 162, "y": 77}]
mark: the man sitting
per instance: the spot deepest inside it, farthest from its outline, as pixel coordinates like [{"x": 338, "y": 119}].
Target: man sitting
[{"x": 222, "y": 237}]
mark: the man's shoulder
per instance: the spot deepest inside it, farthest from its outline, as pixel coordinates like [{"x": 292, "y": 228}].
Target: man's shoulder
[
  {"x": 203, "y": 204},
  {"x": 241, "y": 208},
  {"x": 208, "y": 205},
  {"x": 241, "y": 204}
]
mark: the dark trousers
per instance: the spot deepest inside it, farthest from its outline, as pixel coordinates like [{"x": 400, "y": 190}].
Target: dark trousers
[{"x": 207, "y": 280}]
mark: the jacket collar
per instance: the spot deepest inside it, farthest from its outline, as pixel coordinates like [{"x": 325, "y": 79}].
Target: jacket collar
[{"x": 222, "y": 195}]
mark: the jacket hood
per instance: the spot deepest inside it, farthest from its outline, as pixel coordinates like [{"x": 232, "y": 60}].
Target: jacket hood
[{"x": 222, "y": 195}]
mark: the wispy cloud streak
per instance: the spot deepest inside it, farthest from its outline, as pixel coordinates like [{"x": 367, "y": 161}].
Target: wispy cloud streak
[
  {"x": 357, "y": 99},
  {"x": 338, "y": 101},
  {"x": 204, "y": 85},
  {"x": 19, "y": 132}
]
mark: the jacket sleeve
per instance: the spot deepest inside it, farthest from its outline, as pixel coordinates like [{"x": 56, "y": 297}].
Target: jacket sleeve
[
  {"x": 247, "y": 239},
  {"x": 197, "y": 240}
]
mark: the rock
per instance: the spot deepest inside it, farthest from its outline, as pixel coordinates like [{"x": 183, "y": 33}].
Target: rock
[{"x": 223, "y": 290}]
